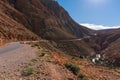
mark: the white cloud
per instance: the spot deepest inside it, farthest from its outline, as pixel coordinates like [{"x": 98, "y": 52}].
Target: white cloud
[{"x": 98, "y": 27}]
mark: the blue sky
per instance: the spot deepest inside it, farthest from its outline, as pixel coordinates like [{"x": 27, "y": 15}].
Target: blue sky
[{"x": 99, "y": 12}]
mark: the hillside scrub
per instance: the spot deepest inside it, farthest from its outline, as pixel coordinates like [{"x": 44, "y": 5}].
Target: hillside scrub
[{"x": 72, "y": 67}]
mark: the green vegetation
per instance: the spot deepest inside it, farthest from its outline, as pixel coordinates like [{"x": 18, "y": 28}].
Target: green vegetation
[
  {"x": 34, "y": 60},
  {"x": 48, "y": 60},
  {"x": 109, "y": 65},
  {"x": 103, "y": 62},
  {"x": 73, "y": 68},
  {"x": 82, "y": 76},
  {"x": 42, "y": 53},
  {"x": 28, "y": 71},
  {"x": 86, "y": 40},
  {"x": 43, "y": 79},
  {"x": 34, "y": 45}
]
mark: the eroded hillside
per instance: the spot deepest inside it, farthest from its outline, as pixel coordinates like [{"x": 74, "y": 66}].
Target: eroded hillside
[
  {"x": 48, "y": 19},
  {"x": 109, "y": 40},
  {"x": 10, "y": 29}
]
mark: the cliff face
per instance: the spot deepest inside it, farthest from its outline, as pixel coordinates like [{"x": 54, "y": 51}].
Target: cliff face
[{"x": 47, "y": 19}]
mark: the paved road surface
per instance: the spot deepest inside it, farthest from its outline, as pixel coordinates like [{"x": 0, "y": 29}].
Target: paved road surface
[
  {"x": 72, "y": 40},
  {"x": 13, "y": 56},
  {"x": 10, "y": 47}
]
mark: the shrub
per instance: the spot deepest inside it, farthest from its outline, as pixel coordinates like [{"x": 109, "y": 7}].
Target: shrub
[
  {"x": 34, "y": 60},
  {"x": 34, "y": 45},
  {"x": 42, "y": 78},
  {"x": 48, "y": 60},
  {"x": 86, "y": 40},
  {"x": 28, "y": 71},
  {"x": 72, "y": 67},
  {"x": 42, "y": 53},
  {"x": 109, "y": 65},
  {"x": 83, "y": 77}
]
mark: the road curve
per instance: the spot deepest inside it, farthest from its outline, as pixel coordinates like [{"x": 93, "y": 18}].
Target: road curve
[{"x": 10, "y": 47}]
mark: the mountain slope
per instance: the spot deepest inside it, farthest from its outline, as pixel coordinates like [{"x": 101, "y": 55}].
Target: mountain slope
[
  {"x": 48, "y": 19},
  {"x": 24, "y": 20},
  {"x": 109, "y": 41},
  {"x": 11, "y": 29},
  {"x": 64, "y": 42}
]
